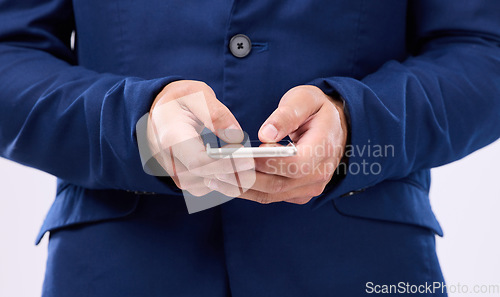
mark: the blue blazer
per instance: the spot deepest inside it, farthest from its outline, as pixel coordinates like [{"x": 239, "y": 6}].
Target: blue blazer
[{"x": 421, "y": 77}]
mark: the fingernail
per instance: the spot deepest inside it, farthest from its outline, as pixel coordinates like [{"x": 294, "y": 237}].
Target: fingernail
[
  {"x": 233, "y": 134},
  {"x": 212, "y": 185},
  {"x": 269, "y": 132}
]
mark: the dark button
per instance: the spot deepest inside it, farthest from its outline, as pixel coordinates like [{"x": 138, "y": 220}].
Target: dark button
[{"x": 240, "y": 45}]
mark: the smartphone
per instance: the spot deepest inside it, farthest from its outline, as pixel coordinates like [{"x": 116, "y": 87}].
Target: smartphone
[{"x": 254, "y": 150}]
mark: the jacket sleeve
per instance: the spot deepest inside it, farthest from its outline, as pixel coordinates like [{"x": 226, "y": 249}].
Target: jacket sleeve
[
  {"x": 71, "y": 122},
  {"x": 437, "y": 106}
]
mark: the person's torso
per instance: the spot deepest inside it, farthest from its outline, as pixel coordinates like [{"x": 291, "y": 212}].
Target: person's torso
[{"x": 293, "y": 42}]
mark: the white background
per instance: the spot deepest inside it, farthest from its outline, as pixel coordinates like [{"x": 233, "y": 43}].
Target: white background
[{"x": 465, "y": 196}]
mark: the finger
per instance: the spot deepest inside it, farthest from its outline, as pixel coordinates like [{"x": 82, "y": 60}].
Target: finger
[
  {"x": 306, "y": 193},
  {"x": 313, "y": 171},
  {"x": 224, "y": 188},
  {"x": 226, "y": 165},
  {"x": 214, "y": 115},
  {"x": 321, "y": 139},
  {"x": 296, "y": 106},
  {"x": 243, "y": 179},
  {"x": 268, "y": 183},
  {"x": 195, "y": 186},
  {"x": 301, "y": 201},
  {"x": 189, "y": 181},
  {"x": 192, "y": 184},
  {"x": 199, "y": 191},
  {"x": 192, "y": 155},
  {"x": 182, "y": 178}
]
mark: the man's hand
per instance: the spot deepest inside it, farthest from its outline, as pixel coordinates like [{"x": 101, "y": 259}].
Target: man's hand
[
  {"x": 177, "y": 117},
  {"x": 317, "y": 125}
]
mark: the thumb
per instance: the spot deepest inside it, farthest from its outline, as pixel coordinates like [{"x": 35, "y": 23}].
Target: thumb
[
  {"x": 214, "y": 115},
  {"x": 296, "y": 106}
]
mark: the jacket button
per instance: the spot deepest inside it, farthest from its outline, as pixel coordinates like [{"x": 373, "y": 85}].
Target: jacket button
[{"x": 240, "y": 45}]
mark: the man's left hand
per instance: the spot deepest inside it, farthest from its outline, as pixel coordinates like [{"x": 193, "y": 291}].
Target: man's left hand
[{"x": 317, "y": 125}]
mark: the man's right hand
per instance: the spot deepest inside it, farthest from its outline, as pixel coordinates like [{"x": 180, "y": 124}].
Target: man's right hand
[{"x": 178, "y": 115}]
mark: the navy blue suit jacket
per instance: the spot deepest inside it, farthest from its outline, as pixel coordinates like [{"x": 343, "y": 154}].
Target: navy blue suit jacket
[{"x": 421, "y": 76}]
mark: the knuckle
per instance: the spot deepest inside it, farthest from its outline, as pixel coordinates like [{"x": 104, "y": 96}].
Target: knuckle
[
  {"x": 203, "y": 86},
  {"x": 302, "y": 92},
  {"x": 200, "y": 84},
  {"x": 289, "y": 117},
  {"x": 189, "y": 86},
  {"x": 219, "y": 114}
]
